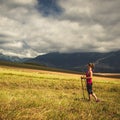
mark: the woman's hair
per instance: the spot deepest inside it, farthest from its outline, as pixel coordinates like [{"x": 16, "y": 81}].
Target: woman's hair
[{"x": 91, "y": 65}]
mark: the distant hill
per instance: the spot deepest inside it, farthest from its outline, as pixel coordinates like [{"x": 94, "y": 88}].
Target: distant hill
[
  {"x": 110, "y": 62},
  {"x": 11, "y": 58},
  {"x": 104, "y": 62}
]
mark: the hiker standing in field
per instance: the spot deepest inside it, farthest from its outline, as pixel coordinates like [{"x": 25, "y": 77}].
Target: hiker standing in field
[{"x": 88, "y": 78}]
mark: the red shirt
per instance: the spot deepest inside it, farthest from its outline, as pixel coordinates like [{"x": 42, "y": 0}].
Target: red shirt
[{"x": 89, "y": 80}]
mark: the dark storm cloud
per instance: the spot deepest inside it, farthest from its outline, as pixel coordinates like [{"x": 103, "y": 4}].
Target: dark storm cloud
[{"x": 49, "y": 7}]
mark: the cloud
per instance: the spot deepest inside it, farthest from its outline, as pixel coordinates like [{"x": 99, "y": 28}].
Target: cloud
[{"x": 33, "y": 27}]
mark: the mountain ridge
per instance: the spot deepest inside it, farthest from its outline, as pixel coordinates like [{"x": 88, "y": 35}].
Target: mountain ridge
[
  {"x": 11, "y": 58},
  {"x": 104, "y": 62}
]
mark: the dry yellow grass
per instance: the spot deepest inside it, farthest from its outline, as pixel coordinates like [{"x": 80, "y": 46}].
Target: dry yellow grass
[{"x": 27, "y": 94}]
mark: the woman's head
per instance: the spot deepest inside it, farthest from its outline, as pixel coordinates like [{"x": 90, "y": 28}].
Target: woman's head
[{"x": 91, "y": 65}]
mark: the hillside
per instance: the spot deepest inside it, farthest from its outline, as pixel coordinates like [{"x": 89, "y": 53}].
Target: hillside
[
  {"x": 111, "y": 62},
  {"x": 11, "y": 58},
  {"x": 34, "y": 66},
  {"x": 104, "y": 62}
]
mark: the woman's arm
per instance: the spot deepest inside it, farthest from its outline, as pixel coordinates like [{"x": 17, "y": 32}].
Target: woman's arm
[{"x": 91, "y": 75}]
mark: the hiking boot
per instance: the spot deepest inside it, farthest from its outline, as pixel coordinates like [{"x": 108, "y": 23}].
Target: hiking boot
[{"x": 97, "y": 100}]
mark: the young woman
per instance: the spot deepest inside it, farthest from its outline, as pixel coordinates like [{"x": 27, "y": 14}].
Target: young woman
[{"x": 88, "y": 78}]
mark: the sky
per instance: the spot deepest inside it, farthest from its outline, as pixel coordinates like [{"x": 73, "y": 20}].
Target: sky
[{"x": 29, "y": 28}]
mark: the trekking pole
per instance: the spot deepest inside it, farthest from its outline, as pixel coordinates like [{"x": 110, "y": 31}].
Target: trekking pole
[{"x": 82, "y": 86}]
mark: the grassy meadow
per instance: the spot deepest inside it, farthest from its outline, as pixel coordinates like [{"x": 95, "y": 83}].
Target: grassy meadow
[{"x": 28, "y": 94}]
